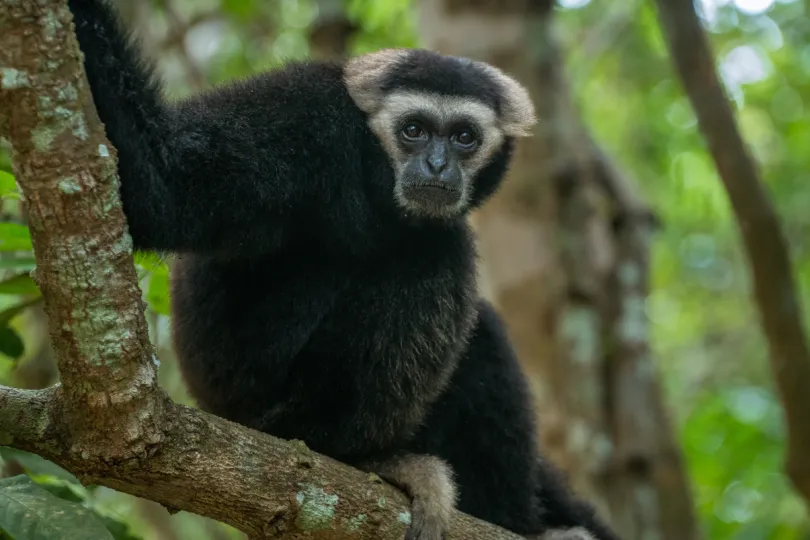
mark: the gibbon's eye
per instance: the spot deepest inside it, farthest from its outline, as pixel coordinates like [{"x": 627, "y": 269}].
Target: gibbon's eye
[
  {"x": 413, "y": 131},
  {"x": 466, "y": 138}
]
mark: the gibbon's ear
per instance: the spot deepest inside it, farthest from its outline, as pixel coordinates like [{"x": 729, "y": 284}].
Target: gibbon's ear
[
  {"x": 363, "y": 75},
  {"x": 517, "y": 109}
]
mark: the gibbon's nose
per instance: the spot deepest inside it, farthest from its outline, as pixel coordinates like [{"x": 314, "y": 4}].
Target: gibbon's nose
[
  {"x": 436, "y": 163},
  {"x": 436, "y": 158}
]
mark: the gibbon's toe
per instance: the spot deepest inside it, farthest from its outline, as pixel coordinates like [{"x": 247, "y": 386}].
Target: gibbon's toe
[{"x": 426, "y": 524}]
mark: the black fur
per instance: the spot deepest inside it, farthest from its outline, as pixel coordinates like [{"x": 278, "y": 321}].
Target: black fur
[{"x": 305, "y": 303}]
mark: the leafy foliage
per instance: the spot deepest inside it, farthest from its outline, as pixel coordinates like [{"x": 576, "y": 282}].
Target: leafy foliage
[
  {"x": 14, "y": 237},
  {"x": 51, "y": 481},
  {"x": 705, "y": 331},
  {"x": 29, "y": 512}
]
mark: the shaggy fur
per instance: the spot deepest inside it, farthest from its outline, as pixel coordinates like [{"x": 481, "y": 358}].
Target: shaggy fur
[{"x": 306, "y": 303}]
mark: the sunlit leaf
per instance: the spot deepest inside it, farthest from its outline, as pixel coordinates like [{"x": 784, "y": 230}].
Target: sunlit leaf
[
  {"x": 157, "y": 271},
  {"x": 158, "y": 293},
  {"x": 14, "y": 237},
  {"x": 239, "y": 8},
  {"x": 8, "y": 186},
  {"x": 29, "y": 512}
]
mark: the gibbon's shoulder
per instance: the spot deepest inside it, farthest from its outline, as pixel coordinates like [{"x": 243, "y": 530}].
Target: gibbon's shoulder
[{"x": 301, "y": 89}]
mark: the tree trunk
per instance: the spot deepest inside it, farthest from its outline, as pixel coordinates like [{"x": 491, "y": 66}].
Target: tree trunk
[{"x": 564, "y": 258}]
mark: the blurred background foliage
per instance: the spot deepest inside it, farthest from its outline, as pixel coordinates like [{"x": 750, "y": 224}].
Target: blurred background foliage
[{"x": 706, "y": 337}]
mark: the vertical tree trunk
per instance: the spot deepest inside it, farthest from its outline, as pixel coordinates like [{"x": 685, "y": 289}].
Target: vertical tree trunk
[{"x": 564, "y": 257}]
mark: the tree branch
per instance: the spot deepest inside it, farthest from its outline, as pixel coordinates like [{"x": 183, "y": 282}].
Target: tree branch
[
  {"x": 774, "y": 287},
  {"x": 109, "y": 422},
  {"x": 259, "y": 484}
]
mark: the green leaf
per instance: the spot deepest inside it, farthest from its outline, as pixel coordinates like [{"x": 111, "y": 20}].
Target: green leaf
[
  {"x": 241, "y": 9},
  {"x": 158, "y": 294},
  {"x": 8, "y": 186},
  {"x": 15, "y": 237},
  {"x": 34, "y": 464},
  {"x": 20, "y": 284},
  {"x": 67, "y": 491},
  {"x": 119, "y": 529},
  {"x": 73, "y": 491},
  {"x": 11, "y": 344},
  {"x": 5, "y": 161},
  {"x": 148, "y": 259},
  {"x": 18, "y": 264},
  {"x": 30, "y": 512}
]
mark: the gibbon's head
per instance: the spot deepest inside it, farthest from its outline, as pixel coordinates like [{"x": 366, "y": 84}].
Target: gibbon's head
[{"x": 442, "y": 120}]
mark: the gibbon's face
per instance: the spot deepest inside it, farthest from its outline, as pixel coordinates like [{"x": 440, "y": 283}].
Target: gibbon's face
[
  {"x": 437, "y": 145},
  {"x": 440, "y": 119}
]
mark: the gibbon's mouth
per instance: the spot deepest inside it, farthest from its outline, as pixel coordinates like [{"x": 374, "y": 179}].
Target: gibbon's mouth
[{"x": 431, "y": 195}]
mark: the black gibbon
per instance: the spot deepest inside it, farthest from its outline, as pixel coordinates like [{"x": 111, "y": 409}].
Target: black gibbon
[{"x": 325, "y": 283}]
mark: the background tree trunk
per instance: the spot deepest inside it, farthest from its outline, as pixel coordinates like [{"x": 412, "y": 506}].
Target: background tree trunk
[{"x": 564, "y": 257}]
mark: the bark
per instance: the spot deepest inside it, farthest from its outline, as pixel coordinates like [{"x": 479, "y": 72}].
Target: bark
[
  {"x": 647, "y": 489},
  {"x": 564, "y": 249},
  {"x": 108, "y": 422},
  {"x": 261, "y": 485},
  {"x": 774, "y": 287}
]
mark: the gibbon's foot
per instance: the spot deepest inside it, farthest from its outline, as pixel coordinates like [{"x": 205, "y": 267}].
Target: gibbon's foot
[
  {"x": 426, "y": 523},
  {"x": 577, "y": 533},
  {"x": 428, "y": 480}
]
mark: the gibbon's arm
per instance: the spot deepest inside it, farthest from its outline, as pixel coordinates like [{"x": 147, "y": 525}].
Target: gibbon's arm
[{"x": 230, "y": 172}]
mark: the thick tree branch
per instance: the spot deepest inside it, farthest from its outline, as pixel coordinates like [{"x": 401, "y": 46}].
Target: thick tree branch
[
  {"x": 109, "y": 422},
  {"x": 774, "y": 287},
  {"x": 260, "y": 484}
]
